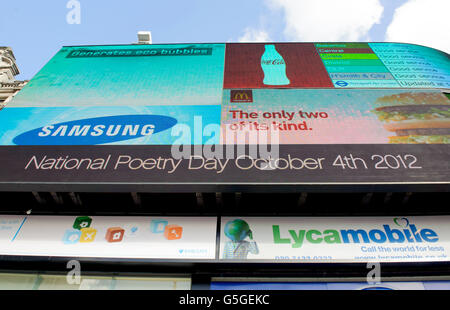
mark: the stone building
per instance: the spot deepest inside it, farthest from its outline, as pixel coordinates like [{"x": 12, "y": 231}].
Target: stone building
[{"x": 9, "y": 86}]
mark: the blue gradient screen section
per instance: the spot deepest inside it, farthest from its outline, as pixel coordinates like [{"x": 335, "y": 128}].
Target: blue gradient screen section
[
  {"x": 17, "y": 122},
  {"x": 179, "y": 74}
]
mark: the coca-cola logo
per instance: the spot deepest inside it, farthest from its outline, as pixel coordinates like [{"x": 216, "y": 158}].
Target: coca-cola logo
[{"x": 273, "y": 62}]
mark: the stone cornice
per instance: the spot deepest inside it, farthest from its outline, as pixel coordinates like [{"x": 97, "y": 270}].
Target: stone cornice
[{"x": 13, "y": 85}]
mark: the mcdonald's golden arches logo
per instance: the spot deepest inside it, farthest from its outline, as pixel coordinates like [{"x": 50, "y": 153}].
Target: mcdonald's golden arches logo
[{"x": 241, "y": 95}]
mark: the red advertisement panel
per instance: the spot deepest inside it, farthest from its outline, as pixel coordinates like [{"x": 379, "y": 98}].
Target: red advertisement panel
[{"x": 280, "y": 65}]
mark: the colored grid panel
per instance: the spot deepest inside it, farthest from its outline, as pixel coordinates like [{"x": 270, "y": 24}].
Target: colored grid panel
[
  {"x": 355, "y": 69},
  {"x": 341, "y": 45},
  {"x": 354, "y": 65},
  {"x": 352, "y": 62},
  {"x": 279, "y": 65},
  {"x": 348, "y": 56},
  {"x": 345, "y": 50},
  {"x": 415, "y": 66}
]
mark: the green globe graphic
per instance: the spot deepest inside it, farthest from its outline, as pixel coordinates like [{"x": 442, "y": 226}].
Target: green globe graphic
[{"x": 237, "y": 230}]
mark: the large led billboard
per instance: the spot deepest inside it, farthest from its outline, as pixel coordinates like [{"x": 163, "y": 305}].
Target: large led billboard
[{"x": 333, "y": 113}]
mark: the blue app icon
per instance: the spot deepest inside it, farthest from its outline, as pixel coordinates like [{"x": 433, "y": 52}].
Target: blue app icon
[
  {"x": 158, "y": 226},
  {"x": 71, "y": 236}
]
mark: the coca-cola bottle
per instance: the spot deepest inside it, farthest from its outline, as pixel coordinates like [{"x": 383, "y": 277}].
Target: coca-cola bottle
[{"x": 274, "y": 67}]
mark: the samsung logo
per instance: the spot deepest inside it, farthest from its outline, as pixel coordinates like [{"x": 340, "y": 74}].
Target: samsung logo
[
  {"x": 99, "y": 130},
  {"x": 96, "y": 131}
]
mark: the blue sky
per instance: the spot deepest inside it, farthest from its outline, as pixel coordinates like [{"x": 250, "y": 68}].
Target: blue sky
[{"x": 37, "y": 29}]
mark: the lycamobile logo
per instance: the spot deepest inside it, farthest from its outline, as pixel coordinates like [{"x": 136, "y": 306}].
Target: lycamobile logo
[
  {"x": 98, "y": 130},
  {"x": 408, "y": 234}
]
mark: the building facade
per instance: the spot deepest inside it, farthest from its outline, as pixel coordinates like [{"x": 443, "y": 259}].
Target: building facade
[{"x": 9, "y": 86}]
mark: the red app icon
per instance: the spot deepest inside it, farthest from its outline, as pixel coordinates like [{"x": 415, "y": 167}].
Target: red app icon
[
  {"x": 115, "y": 234},
  {"x": 173, "y": 232}
]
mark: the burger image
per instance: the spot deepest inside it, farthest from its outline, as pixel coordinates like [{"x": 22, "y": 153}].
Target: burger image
[{"x": 416, "y": 117}]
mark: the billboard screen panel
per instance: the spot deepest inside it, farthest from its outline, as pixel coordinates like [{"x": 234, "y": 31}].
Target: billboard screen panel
[
  {"x": 342, "y": 240},
  {"x": 179, "y": 238},
  {"x": 388, "y": 286},
  {"x": 239, "y": 239},
  {"x": 342, "y": 113}
]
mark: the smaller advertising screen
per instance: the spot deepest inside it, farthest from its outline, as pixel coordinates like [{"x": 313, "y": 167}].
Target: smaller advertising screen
[
  {"x": 355, "y": 65},
  {"x": 308, "y": 116},
  {"x": 278, "y": 65},
  {"x": 178, "y": 238},
  {"x": 335, "y": 65},
  {"x": 327, "y": 240},
  {"x": 382, "y": 286}
]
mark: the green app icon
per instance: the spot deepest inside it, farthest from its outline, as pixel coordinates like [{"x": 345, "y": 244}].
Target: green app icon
[{"x": 82, "y": 222}]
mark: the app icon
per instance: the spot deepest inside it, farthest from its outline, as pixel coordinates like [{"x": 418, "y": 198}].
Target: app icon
[
  {"x": 131, "y": 229},
  {"x": 114, "y": 234},
  {"x": 82, "y": 222},
  {"x": 173, "y": 232},
  {"x": 158, "y": 226},
  {"x": 88, "y": 234},
  {"x": 71, "y": 236}
]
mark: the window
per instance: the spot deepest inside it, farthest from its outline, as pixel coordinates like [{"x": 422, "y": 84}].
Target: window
[{"x": 12, "y": 281}]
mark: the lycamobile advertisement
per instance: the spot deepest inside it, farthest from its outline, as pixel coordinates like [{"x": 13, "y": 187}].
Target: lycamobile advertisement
[
  {"x": 115, "y": 237},
  {"x": 380, "y": 239}
]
